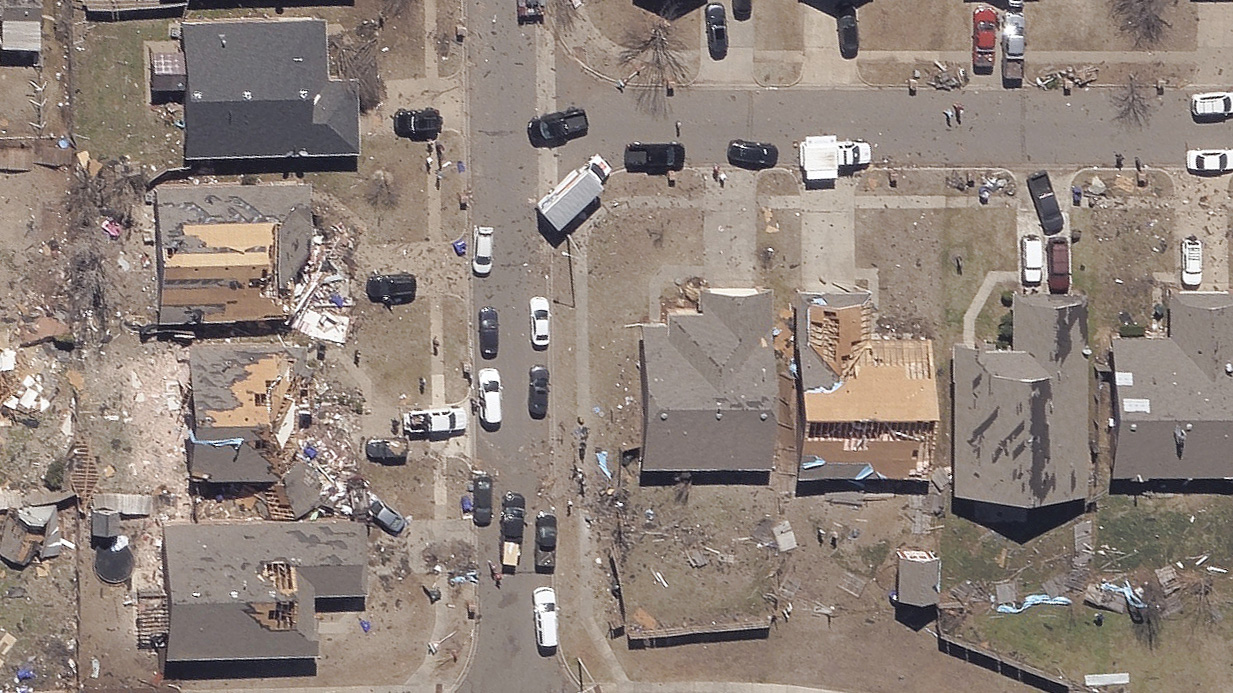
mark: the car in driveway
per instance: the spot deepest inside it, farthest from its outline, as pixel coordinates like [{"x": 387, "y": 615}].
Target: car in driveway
[
  {"x": 849, "y": 38},
  {"x": 654, "y": 157},
  {"x": 984, "y": 38},
  {"x": 716, "y": 31},
  {"x": 1045, "y": 202},
  {"x": 1209, "y": 161},
  {"x": 544, "y": 600},
  {"x": 1059, "y": 265},
  {"x": 490, "y": 396},
  {"x": 386, "y": 517},
  {"x": 1032, "y": 257},
  {"x": 752, "y": 155},
  {"x": 741, "y": 9},
  {"x": 1192, "y": 262},
  {"x": 481, "y": 493},
  {"x": 540, "y": 317},
  {"x": 557, "y": 128},
  {"x": 537, "y": 393},
  {"x": 391, "y": 289},
  {"x": 420, "y": 125},
  {"x": 1212, "y": 105},
  {"x": 488, "y": 334},
  {"x": 481, "y": 254}
]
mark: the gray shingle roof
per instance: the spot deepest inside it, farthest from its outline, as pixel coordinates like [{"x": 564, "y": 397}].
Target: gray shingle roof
[
  {"x": 710, "y": 386},
  {"x": 1020, "y": 417},
  {"x": 1166, "y": 389},
  {"x": 261, "y": 89}
]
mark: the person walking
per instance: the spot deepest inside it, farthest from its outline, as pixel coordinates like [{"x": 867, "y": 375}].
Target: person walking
[
  {"x": 949, "y": 113},
  {"x": 958, "y": 109},
  {"x": 1117, "y": 160},
  {"x": 723, "y": 179},
  {"x": 678, "y": 128}
]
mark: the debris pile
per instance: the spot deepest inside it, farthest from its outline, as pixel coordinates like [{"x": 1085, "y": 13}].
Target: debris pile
[
  {"x": 947, "y": 77},
  {"x": 323, "y": 303},
  {"x": 1068, "y": 76}
]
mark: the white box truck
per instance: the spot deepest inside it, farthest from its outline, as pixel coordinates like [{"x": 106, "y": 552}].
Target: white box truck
[
  {"x": 822, "y": 157},
  {"x": 575, "y": 193}
]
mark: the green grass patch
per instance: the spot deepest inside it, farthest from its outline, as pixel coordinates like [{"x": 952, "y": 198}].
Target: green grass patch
[
  {"x": 985, "y": 241},
  {"x": 991, "y": 314}
]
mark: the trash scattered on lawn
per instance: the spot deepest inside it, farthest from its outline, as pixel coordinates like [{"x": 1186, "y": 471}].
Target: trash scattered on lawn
[{"x": 1033, "y": 600}]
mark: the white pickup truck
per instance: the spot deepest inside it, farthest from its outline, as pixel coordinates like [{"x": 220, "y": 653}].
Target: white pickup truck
[
  {"x": 434, "y": 422},
  {"x": 822, "y": 157}
]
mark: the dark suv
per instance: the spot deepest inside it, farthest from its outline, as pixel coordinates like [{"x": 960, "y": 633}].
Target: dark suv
[
  {"x": 553, "y": 129},
  {"x": 641, "y": 157},
  {"x": 391, "y": 289},
  {"x": 481, "y": 512},
  {"x": 421, "y": 126},
  {"x": 1045, "y": 201}
]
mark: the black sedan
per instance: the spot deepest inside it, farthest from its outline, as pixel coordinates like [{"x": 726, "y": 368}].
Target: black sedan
[
  {"x": 537, "y": 394},
  {"x": 481, "y": 512},
  {"x": 849, "y": 39},
  {"x": 653, "y": 158},
  {"x": 391, "y": 289},
  {"x": 753, "y": 155},
  {"x": 716, "y": 31},
  {"x": 488, "y": 332},
  {"x": 553, "y": 129}
]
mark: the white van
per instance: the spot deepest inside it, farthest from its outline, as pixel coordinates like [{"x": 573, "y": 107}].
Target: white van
[
  {"x": 545, "y": 601},
  {"x": 1032, "y": 256}
]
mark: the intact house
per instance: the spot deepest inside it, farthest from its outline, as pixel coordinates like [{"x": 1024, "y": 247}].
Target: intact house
[
  {"x": 229, "y": 254},
  {"x": 1173, "y": 401},
  {"x": 243, "y": 597},
  {"x": 245, "y": 399},
  {"x": 867, "y": 406},
  {"x": 709, "y": 390},
  {"x": 259, "y": 96},
  {"x": 1020, "y": 438}
]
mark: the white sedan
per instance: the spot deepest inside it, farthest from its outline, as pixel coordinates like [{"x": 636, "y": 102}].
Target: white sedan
[
  {"x": 1192, "y": 262},
  {"x": 1215, "y": 104},
  {"x": 490, "y": 396},
  {"x": 539, "y": 322},
  {"x": 481, "y": 260},
  {"x": 1209, "y": 160}
]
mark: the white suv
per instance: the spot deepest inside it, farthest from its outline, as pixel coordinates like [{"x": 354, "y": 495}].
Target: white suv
[
  {"x": 490, "y": 396},
  {"x": 539, "y": 322},
  {"x": 481, "y": 262},
  {"x": 1192, "y": 262},
  {"x": 545, "y": 601},
  {"x": 1033, "y": 258}
]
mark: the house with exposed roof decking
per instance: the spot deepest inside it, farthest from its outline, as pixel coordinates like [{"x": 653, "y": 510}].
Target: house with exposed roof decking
[
  {"x": 868, "y": 405},
  {"x": 243, "y": 403},
  {"x": 261, "y": 90},
  {"x": 1021, "y": 416},
  {"x": 709, "y": 387},
  {"x": 1173, "y": 400},
  {"x": 243, "y": 596}
]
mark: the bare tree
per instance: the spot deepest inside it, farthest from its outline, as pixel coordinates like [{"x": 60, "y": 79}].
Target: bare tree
[
  {"x": 1132, "y": 103},
  {"x": 382, "y": 192},
  {"x": 1142, "y": 19},
  {"x": 654, "y": 53}
]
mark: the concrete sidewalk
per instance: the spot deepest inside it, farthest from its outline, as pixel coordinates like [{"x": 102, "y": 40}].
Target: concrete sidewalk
[{"x": 710, "y": 687}]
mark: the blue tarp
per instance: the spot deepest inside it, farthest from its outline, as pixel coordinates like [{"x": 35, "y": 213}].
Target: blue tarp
[
  {"x": 467, "y": 505},
  {"x": 601, "y": 456},
  {"x": 1125, "y": 590},
  {"x": 1032, "y": 600},
  {"x": 460, "y": 247},
  {"x": 224, "y": 443}
]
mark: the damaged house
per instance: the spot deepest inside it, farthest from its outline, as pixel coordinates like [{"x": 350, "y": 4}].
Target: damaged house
[
  {"x": 230, "y": 254},
  {"x": 243, "y": 597},
  {"x": 259, "y": 92},
  {"x": 244, "y": 402},
  {"x": 868, "y": 406},
  {"x": 1021, "y": 416},
  {"x": 709, "y": 389},
  {"x": 1173, "y": 401}
]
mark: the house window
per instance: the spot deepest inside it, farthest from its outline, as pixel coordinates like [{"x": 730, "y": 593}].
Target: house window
[{"x": 260, "y": 399}]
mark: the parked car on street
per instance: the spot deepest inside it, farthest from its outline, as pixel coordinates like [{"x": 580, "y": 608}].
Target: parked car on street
[
  {"x": 654, "y": 158},
  {"x": 849, "y": 39},
  {"x": 1032, "y": 256},
  {"x": 391, "y": 289},
  {"x": 481, "y": 493},
  {"x": 752, "y": 155},
  {"x": 422, "y": 125},
  {"x": 386, "y": 517},
  {"x": 545, "y": 601},
  {"x": 984, "y": 38},
  {"x": 545, "y": 542},
  {"x": 481, "y": 258},
  {"x": 1212, "y": 105},
  {"x": 490, "y": 396},
  {"x": 488, "y": 332},
  {"x": 716, "y": 31},
  {"x": 1047, "y": 209},
  {"x": 1192, "y": 262},
  {"x": 537, "y": 394},
  {"x": 386, "y": 450},
  {"x": 1207, "y": 161},
  {"x": 557, "y": 128},
  {"x": 540, "y": 317}
]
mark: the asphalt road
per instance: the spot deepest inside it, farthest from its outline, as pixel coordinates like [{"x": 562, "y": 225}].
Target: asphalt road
[
  {"x": 501, "y": 98},
  {"x": 1021, "y": 128}
]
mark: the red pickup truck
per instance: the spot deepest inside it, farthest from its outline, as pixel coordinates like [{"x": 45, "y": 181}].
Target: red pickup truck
[{"x": 984, "y": 38}]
